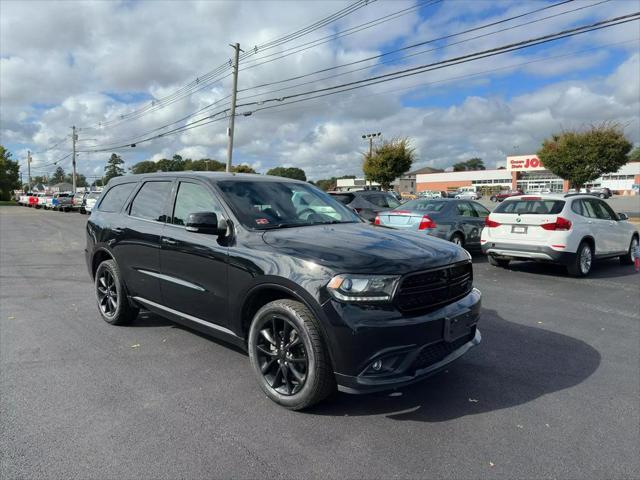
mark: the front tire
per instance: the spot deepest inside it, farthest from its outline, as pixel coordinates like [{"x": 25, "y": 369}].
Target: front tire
[
  {"x": 629, "y": 258},
  {"x": 289, "y": 356},
  {"x": 458, "y": 239},
  {"x": 111, "y": 297},
  {"x": 498, "y": 262},
  {"x": 494, "y": 199},
  {"x": 581, "y": 265}
]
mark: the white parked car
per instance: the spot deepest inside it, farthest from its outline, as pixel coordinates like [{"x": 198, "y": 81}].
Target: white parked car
[
  {"x": 468, "y": 195},
  {"x": 90, "y": 202},
  {"x": 572, "y": 230}
]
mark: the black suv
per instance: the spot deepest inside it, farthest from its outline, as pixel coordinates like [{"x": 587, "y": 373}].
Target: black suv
[
  {"x": 319, "y": 298},
  {"x": 367, "y": 203}
]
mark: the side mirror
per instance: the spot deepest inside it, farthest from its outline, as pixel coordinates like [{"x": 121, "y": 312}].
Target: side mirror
[
  {"x": 623, "y": 216},
  {"x": 206, "y": 222}
]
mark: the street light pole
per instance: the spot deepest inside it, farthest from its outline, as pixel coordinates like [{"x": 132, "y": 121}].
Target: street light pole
[
  {"x": 29, "y": 167},
  {"x": 370, "y": 136},
  {"x": 74, "y": 139}
]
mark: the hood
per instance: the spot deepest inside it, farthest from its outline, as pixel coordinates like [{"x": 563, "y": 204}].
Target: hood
[{"x": 364, "y": 248}]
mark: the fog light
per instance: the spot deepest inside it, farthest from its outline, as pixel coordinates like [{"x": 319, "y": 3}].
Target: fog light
[{"x": 377, "y": 365}]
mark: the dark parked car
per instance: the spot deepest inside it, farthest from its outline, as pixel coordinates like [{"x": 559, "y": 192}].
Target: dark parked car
[
  {"x": 459, "y": 221},
  {"x": 319, "y": 300},
  {"x": 367, "y": 202}
]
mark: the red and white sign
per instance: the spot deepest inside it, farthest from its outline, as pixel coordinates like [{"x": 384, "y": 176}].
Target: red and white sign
[{"x": 524, "y": 163}]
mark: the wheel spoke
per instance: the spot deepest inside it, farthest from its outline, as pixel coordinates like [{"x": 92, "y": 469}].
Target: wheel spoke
[
  {"x": 296, "y": 360},
  {"x": 102, "y": 290},
  {"x": 267, "y": 365},
  {"x": 285, "y": 377},
  {"x": 113, "y": 303},
  {"x": 102, "y": 281},
  {"x": 294, "y": 343},
  {"x": 275, "y": 383},
  {"x": 265, "y": 351},
  {"x": 265, "y": 333},
  {"x": 299, "y": 376}
]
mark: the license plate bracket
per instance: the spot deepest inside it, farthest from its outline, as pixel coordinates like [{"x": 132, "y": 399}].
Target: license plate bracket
[
  {"x": 518, "y": 229},
  {"x": 458, "y": 326}
]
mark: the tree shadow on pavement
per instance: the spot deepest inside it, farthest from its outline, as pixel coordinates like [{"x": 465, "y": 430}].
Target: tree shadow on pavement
[{"x": 513, "y": 365}]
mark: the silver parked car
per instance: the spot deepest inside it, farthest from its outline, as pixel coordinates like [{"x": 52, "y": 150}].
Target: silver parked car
[{"x": 459, "y": 221}]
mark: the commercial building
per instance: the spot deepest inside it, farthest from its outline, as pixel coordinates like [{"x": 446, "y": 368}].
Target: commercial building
[{"x": 527, "y": 173}]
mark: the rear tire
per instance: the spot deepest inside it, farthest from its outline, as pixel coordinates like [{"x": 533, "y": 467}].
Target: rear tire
[
  {"x": 629, "y": 258},
  {"x": 498, "y": 262},
  {"x": 494, "y": 199},
  {"x": 581, "y": 265},
  {"x": 111, "y": 296},
  {"x": 602, "y": 196},
  {"x": 289, "y": 355}
]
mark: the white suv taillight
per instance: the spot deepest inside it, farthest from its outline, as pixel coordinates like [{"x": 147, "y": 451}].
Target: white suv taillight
[{"x": 559, "y": 224}]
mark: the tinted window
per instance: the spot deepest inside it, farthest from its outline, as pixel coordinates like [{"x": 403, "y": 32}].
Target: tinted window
[
  {"x": 150, "y": 201},
  {"x": 531, "y": 207},
  {"x": 424, "y": 205},
  {"x": 602, "y": 210},
  {"x": 482, "y": 212},
  {"x": 266, "y": 204},
  {"x": 344, "y": 198},
  {"x": 466, "y": 210},
  {"x": 114, "y": 199},
  {"x": 578, "y": 208},
  {"x": 193, "y": 198},
  {"x": 383, "y": 200}
]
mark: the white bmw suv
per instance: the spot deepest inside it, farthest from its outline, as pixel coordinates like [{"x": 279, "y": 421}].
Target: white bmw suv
[{"x": 570, "y": 229}]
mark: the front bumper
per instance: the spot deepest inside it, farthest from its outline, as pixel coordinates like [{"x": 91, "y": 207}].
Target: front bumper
[
  {"x": 527, "y": 252},
  {"x": 409, "y": 348}
]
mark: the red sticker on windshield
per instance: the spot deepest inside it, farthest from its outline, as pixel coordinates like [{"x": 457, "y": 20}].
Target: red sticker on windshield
[{"x": 262, "y": 221}]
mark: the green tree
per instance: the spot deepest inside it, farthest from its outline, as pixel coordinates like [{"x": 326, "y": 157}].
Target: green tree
[
  {"x": 147, "y": 166},
  {"x": 205, "y": 165},
  {"x": 9, "y": 174},
  {"x": 472, "y": 164},
  {"x": 58, "y": 176},
  {"x": 113, "y": 168},
  {"x": 242, "y": 168},
  {"x": 582, "y": 156},
  {"x": 389, "y": 161},
  {"x": 81, "y": 180},
  {"x": 288, "y": 172},
  {"x": 97, "y": 183},
  {"x": 634, "y": 156}
]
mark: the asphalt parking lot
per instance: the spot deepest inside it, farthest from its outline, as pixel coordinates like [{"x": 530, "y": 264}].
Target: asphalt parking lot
[{"x": 553, "y": 390}]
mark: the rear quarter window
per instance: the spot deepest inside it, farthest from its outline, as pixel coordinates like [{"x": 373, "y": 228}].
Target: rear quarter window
[
  {"x": 343, "y": 198},
  {"x": 531, "y": 207},
  {"x": 114, "y": 199}
]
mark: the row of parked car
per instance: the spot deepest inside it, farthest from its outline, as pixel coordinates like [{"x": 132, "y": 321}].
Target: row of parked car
[
  {"x": 82, "y": 202},
  {"x": 572, "y": 229}
]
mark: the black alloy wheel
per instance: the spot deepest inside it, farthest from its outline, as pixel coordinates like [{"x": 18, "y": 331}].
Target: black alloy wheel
[
  {"x": 107, "y": 293},
  {"x": 289, "y": 355},
  {"x": 281, "y": 355},
  {"x": 113, "y": 305}
]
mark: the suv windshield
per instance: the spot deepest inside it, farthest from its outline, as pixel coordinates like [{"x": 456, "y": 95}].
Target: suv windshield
[
  {"x": 263, "y": 205},
  {"x": 531, "y": 207}
]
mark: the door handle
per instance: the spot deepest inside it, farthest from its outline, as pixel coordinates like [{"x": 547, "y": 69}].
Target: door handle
[
  {"x": 117, "y": 230},
  {"x": 168, "y": 241}
]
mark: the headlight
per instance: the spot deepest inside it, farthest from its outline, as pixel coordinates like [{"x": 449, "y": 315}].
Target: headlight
[{"x": 363, "y": 288}]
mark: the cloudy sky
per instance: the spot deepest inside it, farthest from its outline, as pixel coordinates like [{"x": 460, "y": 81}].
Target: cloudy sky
[{"x": 124, "y": 71}]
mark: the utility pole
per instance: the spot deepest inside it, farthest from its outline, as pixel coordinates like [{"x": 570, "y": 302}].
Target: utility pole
[
  {"x": 74, "y": 139},
  {"x": 29, "y": 167},
  {"x": 234, "y": 94},
  {"x": 371, "y": 136}
]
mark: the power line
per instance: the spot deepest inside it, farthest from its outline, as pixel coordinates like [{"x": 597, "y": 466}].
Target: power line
[
  {"x": 422, "y": 52},
  {"x": 139, "y": 136},
  {"x": 403, "y": 73},
  {"x": 465, "y": 58},
  {"x": 209, "y": 78},
  {"x": 343, "y": 33},
  {"x": 53, "y": 147},
  {"x": 471, "y": 75},
  {"x": 415, "y": 45}
]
